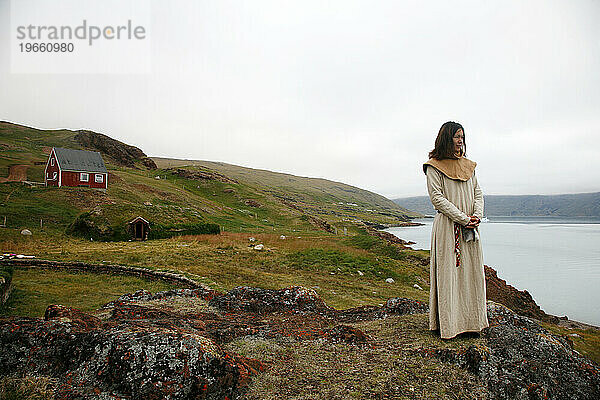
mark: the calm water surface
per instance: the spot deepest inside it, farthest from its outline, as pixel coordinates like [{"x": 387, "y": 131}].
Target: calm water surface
[{"x": 555, "y": 259}]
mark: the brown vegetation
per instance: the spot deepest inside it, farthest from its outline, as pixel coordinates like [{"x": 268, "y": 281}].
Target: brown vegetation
[{"x": 16, "y": 173}]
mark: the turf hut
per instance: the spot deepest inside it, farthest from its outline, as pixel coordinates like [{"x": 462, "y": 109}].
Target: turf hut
[{"x": 139, "y": 229}]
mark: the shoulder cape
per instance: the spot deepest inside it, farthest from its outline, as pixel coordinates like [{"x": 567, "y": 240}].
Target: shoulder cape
[{"x": 454, "y": 168}]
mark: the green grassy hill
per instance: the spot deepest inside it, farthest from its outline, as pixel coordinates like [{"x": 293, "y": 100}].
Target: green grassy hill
[
  {"x": 178, "y": 192},
  {"x": 314, "y": 195},
  {"x": 24, "y": 145}
]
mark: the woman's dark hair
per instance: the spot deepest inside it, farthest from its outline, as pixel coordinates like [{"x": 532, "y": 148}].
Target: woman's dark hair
[{"x": 444, "y": 146}]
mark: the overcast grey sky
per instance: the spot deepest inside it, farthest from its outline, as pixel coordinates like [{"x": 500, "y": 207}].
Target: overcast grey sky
[{"x": 352, "y": 91}]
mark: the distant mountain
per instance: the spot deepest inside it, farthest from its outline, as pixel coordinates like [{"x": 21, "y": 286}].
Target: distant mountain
[{"x": 563, "y": 205}]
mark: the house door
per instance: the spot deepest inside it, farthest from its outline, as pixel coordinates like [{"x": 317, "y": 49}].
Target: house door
[{"x": 139, "y": 231}]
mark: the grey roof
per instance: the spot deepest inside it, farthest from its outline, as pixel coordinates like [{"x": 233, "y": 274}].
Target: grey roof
[{"x": 79, "y": 160}]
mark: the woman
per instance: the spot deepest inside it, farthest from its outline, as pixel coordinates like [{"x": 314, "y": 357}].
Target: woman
[{"x": 457, "y": 299}]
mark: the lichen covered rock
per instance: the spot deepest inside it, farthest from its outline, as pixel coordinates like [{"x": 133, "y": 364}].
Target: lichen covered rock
[
  {"x": 170, "y": 345},
  {"x": 121, "y": 359},
  {"x": 296, "y": 299},
  {"x": 522, "y": 360}
]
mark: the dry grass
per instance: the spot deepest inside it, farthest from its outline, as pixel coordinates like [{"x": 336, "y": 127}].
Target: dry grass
[
  {"x": 227, "y": 260},
  {"x": 274, "y": 242},
  {"x": 35, "y": 289},
  {"x": 389, "y": 368},
  {"x": 26, "y": 388}
]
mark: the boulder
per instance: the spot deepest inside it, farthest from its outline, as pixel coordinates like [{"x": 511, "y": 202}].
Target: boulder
[
  {"x": 520, "y": 360},
  {"x": 295, "y": 299},
  {"x": 156, "y": 355}
]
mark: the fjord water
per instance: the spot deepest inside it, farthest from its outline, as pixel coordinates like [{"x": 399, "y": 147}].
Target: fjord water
[{"x": 556, "y": 259}]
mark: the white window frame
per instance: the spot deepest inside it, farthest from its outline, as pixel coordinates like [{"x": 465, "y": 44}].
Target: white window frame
[
  {"x": 84, "y": 177},
  {"x": 99, "y": 178}
]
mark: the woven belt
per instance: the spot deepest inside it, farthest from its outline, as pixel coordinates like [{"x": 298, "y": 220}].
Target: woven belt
[{"x": 456, "y": 242}]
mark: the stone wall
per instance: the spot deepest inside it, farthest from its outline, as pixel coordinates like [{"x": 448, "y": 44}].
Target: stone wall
[{"x": 104, "y": 269}]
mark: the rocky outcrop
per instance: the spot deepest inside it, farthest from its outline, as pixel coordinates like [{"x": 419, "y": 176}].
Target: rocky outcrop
[
  {"x": 203, "y": 175},
  {"x": 320, "y": 223},
  {"x": 118, "y": 152},
  {"x": 120, "y": 359},
  {"x": 170, "y": 345},
  {"x": 252, "y": 203},
  {"x": 261, "y": 301},
  {"x": 520, "y": 360},
  {"x": 388, "y": 237},
  {"x": 380, "y": 226},
  {"x": 520, "y": 301},
  {"x": 393, "y": 306},
  {"x": 146, "y": 345}
]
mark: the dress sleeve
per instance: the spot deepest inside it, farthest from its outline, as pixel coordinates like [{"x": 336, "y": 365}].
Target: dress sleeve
[
  {"x": 441, "y": 203},
  {"x": 478, "y": 209}
]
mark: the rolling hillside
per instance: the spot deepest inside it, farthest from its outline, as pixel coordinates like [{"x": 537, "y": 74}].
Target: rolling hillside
[
  {"x": 318, "y": 196},
  {"x": 177, "y": 192},
  {"x": 563, "y": 205}
]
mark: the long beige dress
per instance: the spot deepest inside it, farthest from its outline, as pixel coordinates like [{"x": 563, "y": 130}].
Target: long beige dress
[{"x": 457, "y": 297}]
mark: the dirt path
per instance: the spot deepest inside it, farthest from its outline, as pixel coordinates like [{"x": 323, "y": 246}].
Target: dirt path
[{"x": 16, "y": 173}]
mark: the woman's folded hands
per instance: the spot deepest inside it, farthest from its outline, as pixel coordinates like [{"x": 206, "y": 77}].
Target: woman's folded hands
[{"x": 473, "y": 223}]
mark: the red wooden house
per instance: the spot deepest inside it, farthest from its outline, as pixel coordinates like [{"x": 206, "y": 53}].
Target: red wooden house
[{"x": 68, "y": 167}]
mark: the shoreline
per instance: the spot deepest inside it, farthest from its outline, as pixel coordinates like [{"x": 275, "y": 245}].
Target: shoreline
[
  {"x": 381, "y": 227},
  {"x": 513, "y": 293}
]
